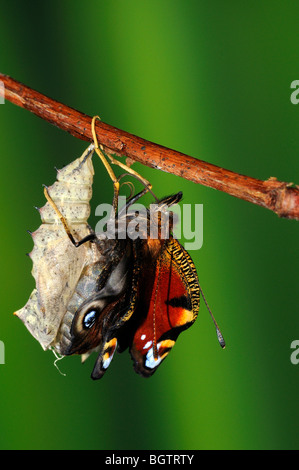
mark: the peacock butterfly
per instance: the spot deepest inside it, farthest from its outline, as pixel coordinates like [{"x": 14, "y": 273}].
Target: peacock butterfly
[{"x": 159, "y": 300}]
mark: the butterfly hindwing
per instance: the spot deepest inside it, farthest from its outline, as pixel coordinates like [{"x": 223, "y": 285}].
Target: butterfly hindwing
[{"x": 104, "y": 358}]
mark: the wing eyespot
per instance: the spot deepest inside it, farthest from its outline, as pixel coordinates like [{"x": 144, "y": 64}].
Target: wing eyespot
[{"x": 89, "y": 319}]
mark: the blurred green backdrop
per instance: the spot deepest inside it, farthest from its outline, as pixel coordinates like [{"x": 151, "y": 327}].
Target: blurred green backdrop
[{"x": 210, "y": 79}]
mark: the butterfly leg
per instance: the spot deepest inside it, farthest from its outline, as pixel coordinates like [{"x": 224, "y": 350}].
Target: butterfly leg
[
  {"x": 104, "y": 157},
  {"x": 90, "y": 237}
]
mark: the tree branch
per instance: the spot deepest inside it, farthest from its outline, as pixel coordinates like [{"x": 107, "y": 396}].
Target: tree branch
[{"x": 279, "y": 197}]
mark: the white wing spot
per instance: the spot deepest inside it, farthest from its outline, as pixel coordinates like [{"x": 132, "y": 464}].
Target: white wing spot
[
  {"x": 106, "y": 363},
  {"x": 150, "y": 361}
]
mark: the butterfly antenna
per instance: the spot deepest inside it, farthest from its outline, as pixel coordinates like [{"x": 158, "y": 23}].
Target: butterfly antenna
[{"x": 219, "y": 334}]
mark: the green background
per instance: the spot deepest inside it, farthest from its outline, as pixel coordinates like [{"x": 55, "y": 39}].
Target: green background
[{"x": 210, "y": 79}]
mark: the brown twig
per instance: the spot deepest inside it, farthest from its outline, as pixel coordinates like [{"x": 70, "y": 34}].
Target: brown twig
[{"x": 280, "y": 197}]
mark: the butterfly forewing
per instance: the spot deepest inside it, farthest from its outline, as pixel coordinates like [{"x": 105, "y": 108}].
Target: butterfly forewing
[{"x": 168, "y": 304}]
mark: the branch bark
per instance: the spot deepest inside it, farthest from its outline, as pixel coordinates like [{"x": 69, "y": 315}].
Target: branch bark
[{"x": 279, "y": 197}]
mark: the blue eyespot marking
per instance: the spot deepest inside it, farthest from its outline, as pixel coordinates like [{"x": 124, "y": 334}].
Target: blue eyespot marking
[{"x": 89, "y": 319}]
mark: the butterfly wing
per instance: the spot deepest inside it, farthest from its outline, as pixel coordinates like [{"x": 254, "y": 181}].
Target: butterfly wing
[
  {"x": 104, "y": 358},
  {"x": 169, "y": 298},
  {"x": 99, "y": 319},
  {"x": 116, "y": 337}
]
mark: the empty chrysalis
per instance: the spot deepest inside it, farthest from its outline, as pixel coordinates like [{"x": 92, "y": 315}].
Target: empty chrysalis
[{"x": 57, "y": 263}]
